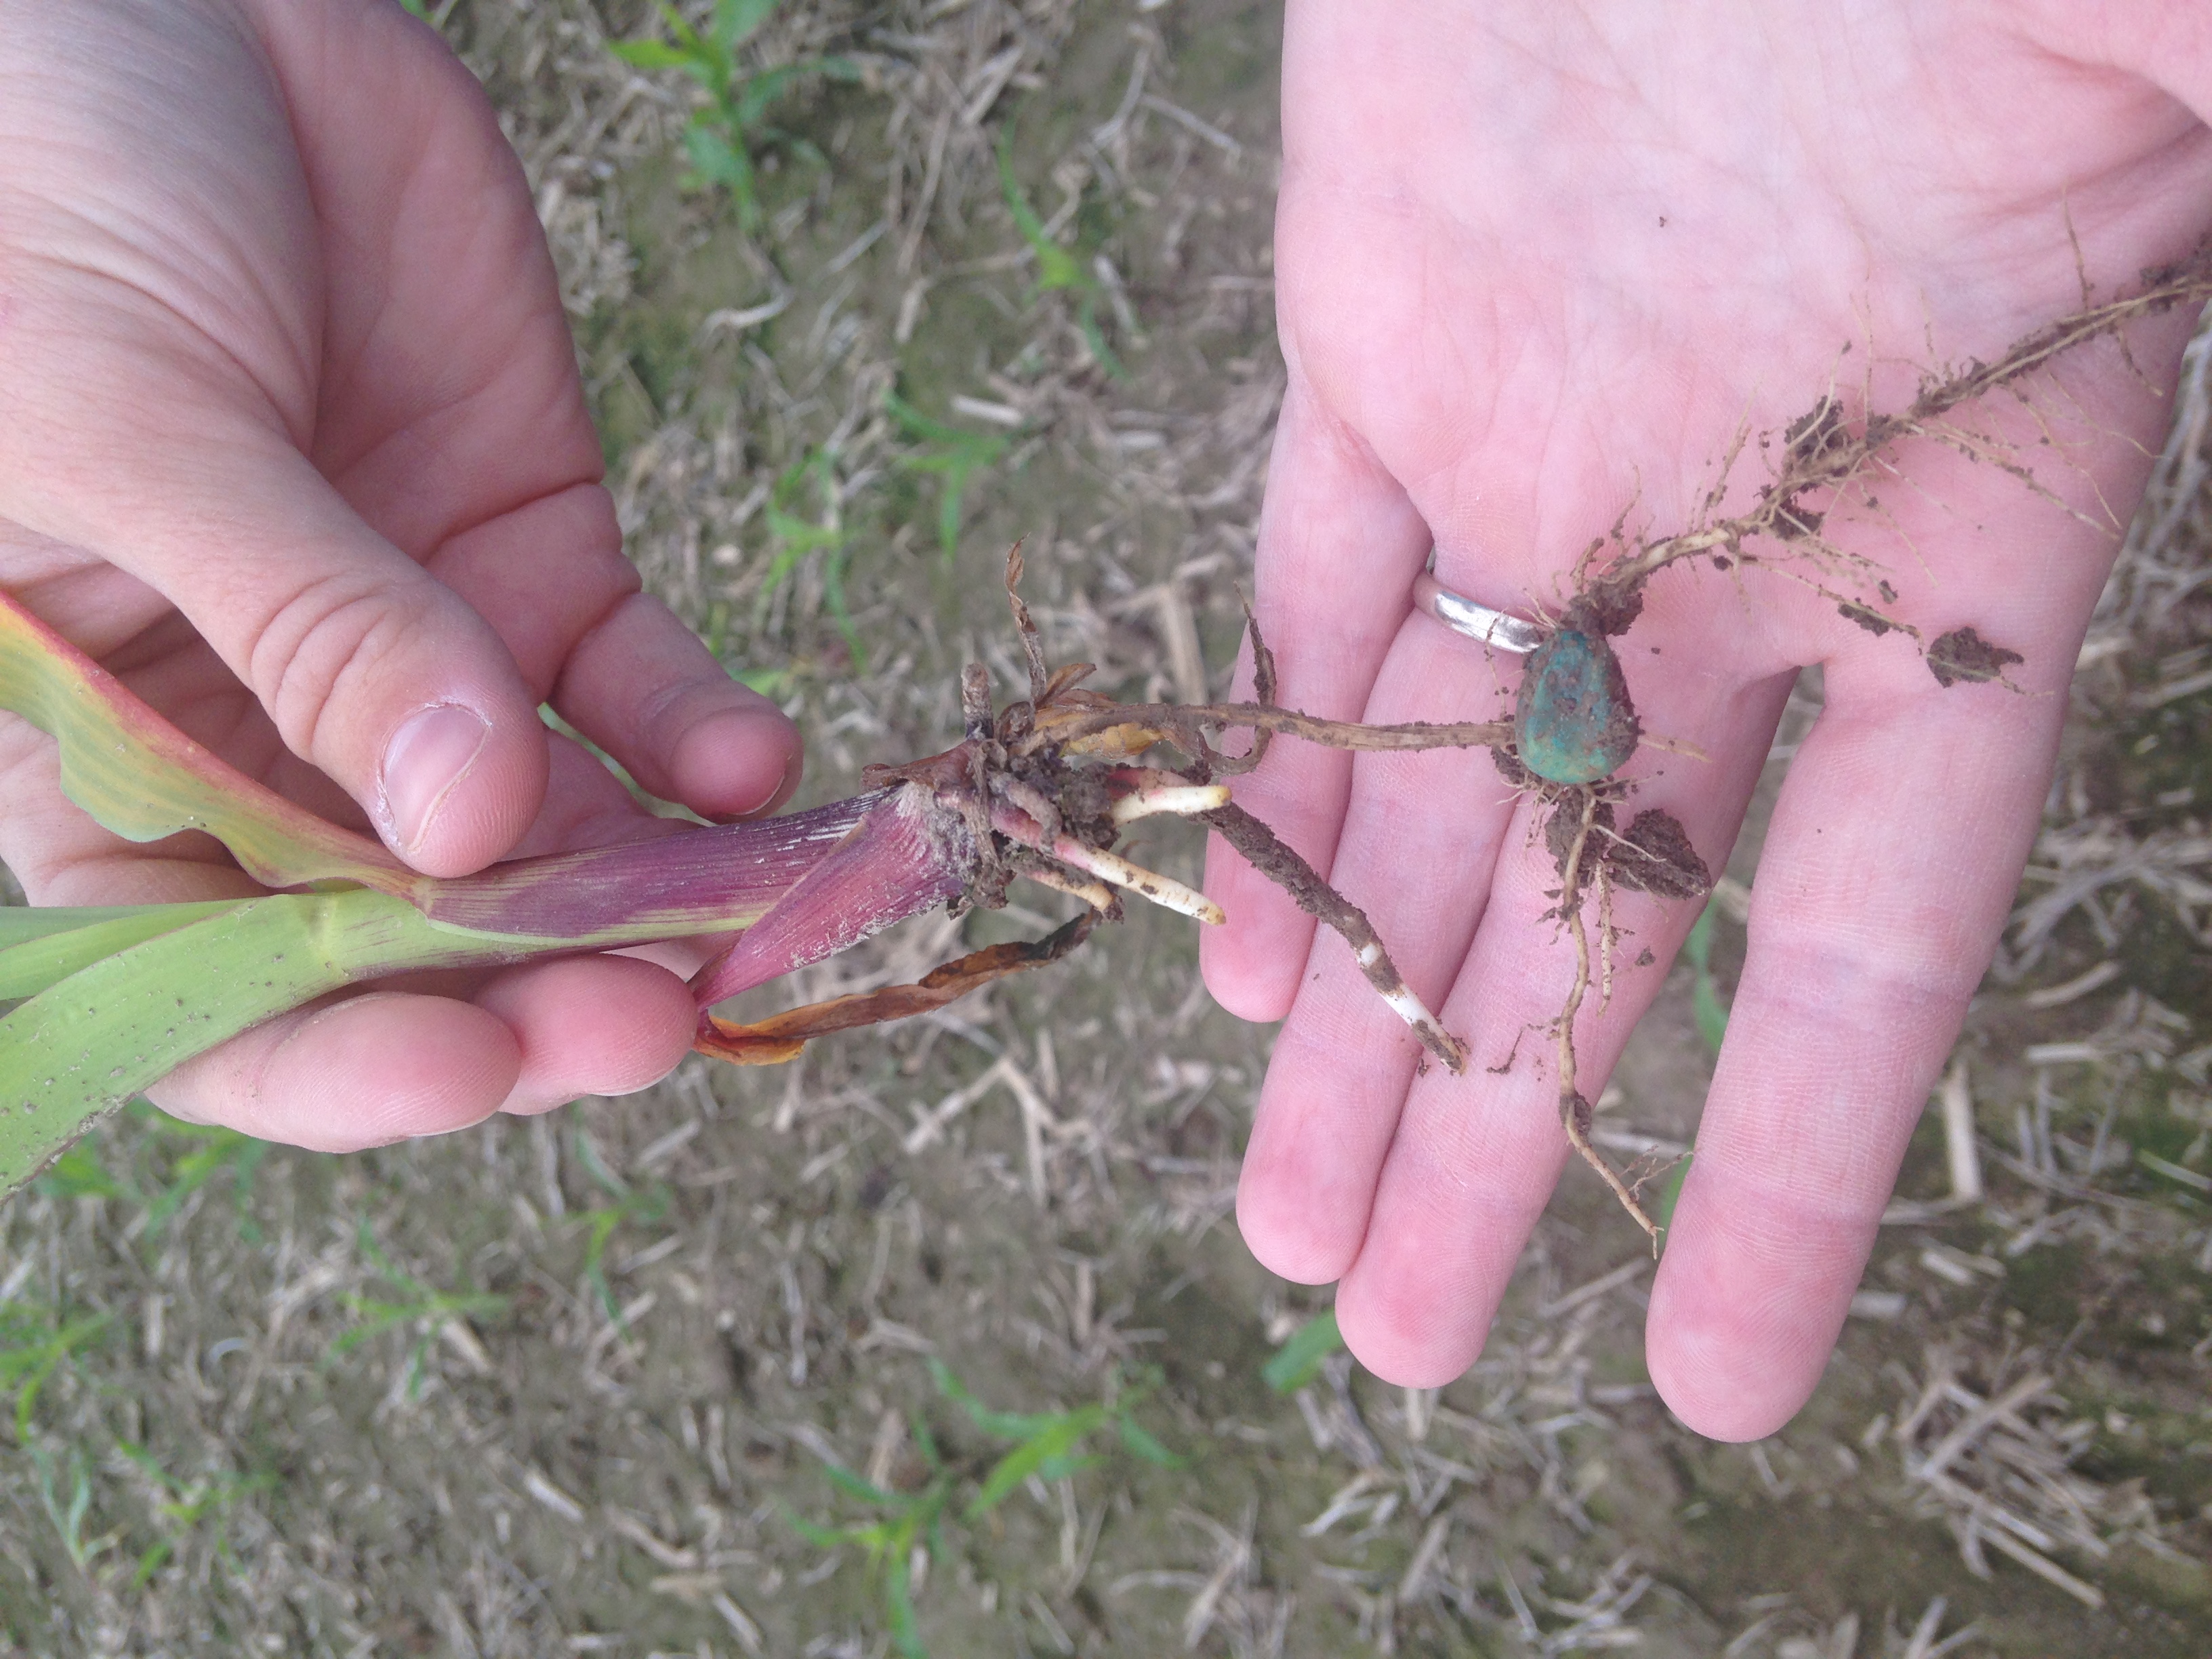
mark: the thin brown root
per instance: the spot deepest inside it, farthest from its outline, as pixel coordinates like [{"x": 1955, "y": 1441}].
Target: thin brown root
[
  {"x": 1281, "y": 865},
  {"x": 1574, "y": 1112},
  {"x": 1173, "y": 721},
  {"x": 780, "y": 1037}
]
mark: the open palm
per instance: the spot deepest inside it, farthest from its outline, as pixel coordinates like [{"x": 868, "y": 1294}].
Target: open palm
[
  {"x": 1537, "y": 267},
  {"x": 291, "y": 436}
]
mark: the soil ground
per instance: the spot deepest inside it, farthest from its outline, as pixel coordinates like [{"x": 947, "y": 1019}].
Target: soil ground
[{"x": 575, "y": 1384}]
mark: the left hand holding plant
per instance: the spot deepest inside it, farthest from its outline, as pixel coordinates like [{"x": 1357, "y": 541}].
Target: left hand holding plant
[{"x": 291, "y": 439}]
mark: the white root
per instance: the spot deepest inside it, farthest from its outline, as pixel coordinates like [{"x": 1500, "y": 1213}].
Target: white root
[
  {"x": 1184, "y": 800},
  {"x": 1408, "y": 1007},
  {"x": 1161, "y": 891}
]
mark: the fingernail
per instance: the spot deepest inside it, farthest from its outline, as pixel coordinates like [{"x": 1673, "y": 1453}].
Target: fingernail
[
  {"x": 427, "y": 757},
  {"x": 740, "y": 815}
]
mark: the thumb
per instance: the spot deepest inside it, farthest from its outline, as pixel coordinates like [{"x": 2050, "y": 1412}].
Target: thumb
[{"x": 370, "y": 668}]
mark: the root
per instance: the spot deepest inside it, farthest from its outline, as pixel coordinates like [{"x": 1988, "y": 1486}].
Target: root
[
  {"x": 1280, "y": 864},
  {"x": 1575, "y": 1111}
]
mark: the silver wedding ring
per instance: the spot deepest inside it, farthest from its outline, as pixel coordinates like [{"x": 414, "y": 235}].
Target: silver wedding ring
[{"x": 1498, "y": 629}]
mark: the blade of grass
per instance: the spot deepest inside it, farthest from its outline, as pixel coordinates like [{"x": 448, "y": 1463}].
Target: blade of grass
[{"x": 1297, "y": 1361}]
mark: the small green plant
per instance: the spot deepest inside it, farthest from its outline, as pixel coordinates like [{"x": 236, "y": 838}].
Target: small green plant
[
  {"x": 426, "y": 1309},
  {"x": 951, "y": 454},
  {"x": 722, "y": 138},
  {"x": 1712, "y": 1017},
  {"x": 906, "y": 1519},
  {"x": 793, "y": 537},
  {"x": 1711, "y": 1012},
  {"x": 196, "y": 1154},
  {"x": 34, "y": 1344},
  {"x": 66, "y": 1495},
  {"x": 1298, "y": 1361},
  {"x": 1059, "y": 268},
  {"x": 646, "y": 1205},
  {"x": 187, "y": 1504},
  {"x": 435, "y": 16},
  {"x": 1048, "y": 1445}
]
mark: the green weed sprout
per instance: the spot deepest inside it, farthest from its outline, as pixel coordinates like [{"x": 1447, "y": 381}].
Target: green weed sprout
[
  {"x": 69, "y": 1513},
  {"x": 435, "y": 17},
  {"x": 951, "y": 454},
  {"x": 188, "y": 1505},
  {"x": 427, "y": 1309},
  {"x": 1047, "y": 1444},
  {"x": 630, "y": 1204},
  {"x": 1713, "y": 1014},
  {"x": 34, "y": 1344},
  {"x": 1059, "y": 270},
  {"x": 721, "y": 139},
  {"x": 204, "y": 1150},
  {"x": 906, "y": 1519},
  {"x": 1298, "y": 1361},
  {"x": 1712, "y": 1017},
  {"x": 794, "y": 536}
]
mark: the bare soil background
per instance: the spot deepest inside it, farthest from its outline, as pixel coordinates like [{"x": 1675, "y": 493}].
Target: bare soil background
[{"x": 568, "y": 1385}]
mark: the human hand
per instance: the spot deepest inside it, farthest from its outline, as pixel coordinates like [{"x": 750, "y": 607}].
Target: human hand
[
  {"x": 1536, "y": 268},
  {"x": 292, "y": 438}
]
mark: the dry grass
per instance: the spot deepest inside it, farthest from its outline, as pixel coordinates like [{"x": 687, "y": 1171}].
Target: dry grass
[{"x": 559, "y": 1386}]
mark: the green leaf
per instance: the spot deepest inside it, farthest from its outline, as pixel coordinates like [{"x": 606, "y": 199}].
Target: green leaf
[
  {"x": 1138, "y": 1440},
  {"x": 999, "y": 1425},
  {"x": 854, "y": 1487},
  {"x": 898, "y": 1601},
  {"x": 737, "y": 21},
  {"x": 1705, "y": 1004},
  {"x": 652, "y": 54},
  {"x": 41, "y": 947},
  {"x": 79, "y": 1049},
  {"x": 144, "y": 780},
  {"x": 1297, "y": 1361},
  {"x": 1030, "y": 1457},
  {"x": 1670, "y": 1193}
]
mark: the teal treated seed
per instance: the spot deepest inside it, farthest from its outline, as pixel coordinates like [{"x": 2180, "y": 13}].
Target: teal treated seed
[{"x": 1574, "y": 722}]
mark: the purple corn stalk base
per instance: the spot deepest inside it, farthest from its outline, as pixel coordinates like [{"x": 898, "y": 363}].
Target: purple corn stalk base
[{"x": 906, "y": 853}]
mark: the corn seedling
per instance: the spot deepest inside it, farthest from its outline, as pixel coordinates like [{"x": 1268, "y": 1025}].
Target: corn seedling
[
  {"x": 426, "y": 1309},
  {"x": 185, "y": 1505},
  {"x": 1298, "y": 1361},
  {"x": 722, "y": 138},
  {"x": 1059, "y": 270},
  {"x": 948, "y": 454}
]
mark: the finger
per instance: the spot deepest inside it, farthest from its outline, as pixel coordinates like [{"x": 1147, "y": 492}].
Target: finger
[
  {"x": 370, "y": 668},
  {"x": 619, "y": 665},
  {"x": 642, "y": 686},
  {"x": 1888, "y": 873},
  {"x": 1339, "y": 547},
  {"x": 386, "y": 1066},
  {"x": 362, "y": 1071},
  {"x": 590, "y": 1025},
  {"x": 1476, "y": 1157},
  {"x": 1420, "y": 837}
]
